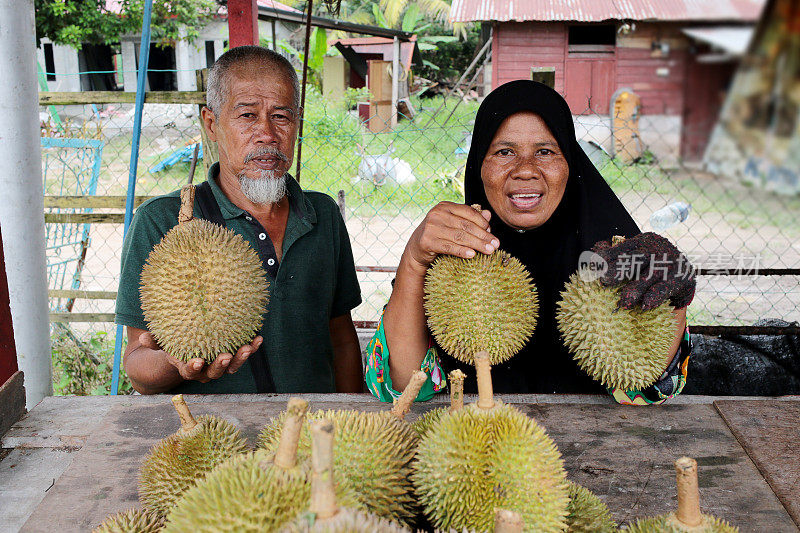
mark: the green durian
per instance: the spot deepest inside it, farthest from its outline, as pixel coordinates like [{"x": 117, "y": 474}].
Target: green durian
[
  {"x": 326, "y": 514},
  {"x": 490, "y": 455},
  {"x": 257, "y": 491},
  {"x": 177, "y": 462},
  {"x": 586, "y": 513},
  {"x": 379, "y": 474},
  {"x": 131, "y": 521},
  {"x": 429, "y": 419},
  {"x": 620, "y": 348},
  {"x": 203, "y": 290},
  {"x": 688, "y": 518},
  {"x": 485, "y": 303}
]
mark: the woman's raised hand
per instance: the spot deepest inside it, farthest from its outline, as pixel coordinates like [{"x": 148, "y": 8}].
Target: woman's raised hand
[
  {"x": 452, "y": 229},
  {"x": 650, "y": 268}
]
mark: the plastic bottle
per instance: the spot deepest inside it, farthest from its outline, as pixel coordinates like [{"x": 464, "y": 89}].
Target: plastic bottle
[{"x": 669, "y": 216}]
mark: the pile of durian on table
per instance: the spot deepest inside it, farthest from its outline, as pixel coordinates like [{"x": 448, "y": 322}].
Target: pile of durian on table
[{"x": 480, "y": 467}]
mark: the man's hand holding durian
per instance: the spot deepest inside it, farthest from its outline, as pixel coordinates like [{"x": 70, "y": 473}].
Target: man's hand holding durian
[{"x": 167, "y": 371}]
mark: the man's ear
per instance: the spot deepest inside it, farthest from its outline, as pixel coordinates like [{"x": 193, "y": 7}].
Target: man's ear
[{"x": 209, "y": 122}]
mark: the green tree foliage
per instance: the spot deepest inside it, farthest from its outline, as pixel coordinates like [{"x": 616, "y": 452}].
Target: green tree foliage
[{"x": 74, "y": 22}]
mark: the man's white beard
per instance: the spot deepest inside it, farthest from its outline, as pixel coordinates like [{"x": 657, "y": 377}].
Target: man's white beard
[{"x": 268, "y": 189}]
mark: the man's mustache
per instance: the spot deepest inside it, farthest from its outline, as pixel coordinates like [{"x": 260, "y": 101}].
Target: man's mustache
[{"x": 267, "y": 150}]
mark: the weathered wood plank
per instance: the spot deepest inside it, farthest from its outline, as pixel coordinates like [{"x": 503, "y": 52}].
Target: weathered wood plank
[
  {"x": 88, "y": 295},
  {"x": 120, "y": 97},
  {"x": 93, "y": 202},
  {"x": 81, "y": 317},
  {"x": 12, "y": 400},
  {"x": 84, "y": 218},
  {"x": 770, "y": 433},
  {"x": 625, "y": 455}
]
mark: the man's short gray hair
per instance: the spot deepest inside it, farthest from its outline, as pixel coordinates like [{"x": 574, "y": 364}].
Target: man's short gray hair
[{"x": 217, "y": 75}]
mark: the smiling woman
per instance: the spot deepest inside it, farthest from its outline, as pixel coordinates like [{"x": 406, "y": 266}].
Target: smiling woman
[{"x": 544, "y": 203}]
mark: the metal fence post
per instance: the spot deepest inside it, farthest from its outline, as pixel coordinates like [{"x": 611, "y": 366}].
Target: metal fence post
[{"x": 144, "y": 56}]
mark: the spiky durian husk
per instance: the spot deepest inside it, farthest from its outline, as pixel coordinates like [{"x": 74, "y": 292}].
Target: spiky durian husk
[
  {"x": 474, "y": 461},
  {"x": 427, "y": 420},
  {"x": 245, "y": 494},
  {"x": 666, "y": 524},
  {"x": 203, "y": 291},
  {"x": 586, "y": 513},
  {"x": 380, "y": 475},
  {"x": 131, "y": 521},
  {"x": 345, "y": 521},
  {"x": 484, "y": 303},
  {"x": 179, "y": 461},
  {"x": 620, "y": 348}
]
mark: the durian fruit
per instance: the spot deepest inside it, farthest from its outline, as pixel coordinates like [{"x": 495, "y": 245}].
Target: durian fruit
[
  {"x": 131, "y": 521},
  {"x": 325, "y": 515},
  {"x": 431, "y": 418},
  {"x": 620, "y": 348},
  {"x": 486, "y": 303},
  {"x": 586, "y": 513},
  {"x": 177, "y": 462},
  {"x": 203, "y": 288},
  {"x": 688, "y": 518},
  {"x": 258, "y": 491},
  {"x": 506, "y": 521},
  {"x": 490, "y": 455},
  {"x": 372, "y": 453}
]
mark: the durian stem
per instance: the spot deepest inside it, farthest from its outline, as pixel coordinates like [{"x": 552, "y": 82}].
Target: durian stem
[
  {"x": 403, "y": 404},
  {"x": 484, "y": 371},
  {"x": 286, "y": 456},
  {"x": 323, "y": 493},
  {"x": 617, "y": 240},
  {"x": 456, "y": 390},
  {"x": 187, "y": 420},
  {"x": 688, "y": 492},
  {"x": 187, "y": 204},
  {"x": 506, "y": 521}
]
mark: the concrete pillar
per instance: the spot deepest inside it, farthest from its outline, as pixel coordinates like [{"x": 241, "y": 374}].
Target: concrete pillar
[
  {"x": 184, "y": 64},
  {"x": 128, "y": 66},
  {"x": 22, "y": 207}
]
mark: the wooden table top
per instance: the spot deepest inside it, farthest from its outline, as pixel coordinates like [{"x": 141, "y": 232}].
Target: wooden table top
[{"x": 74, "y": 460}]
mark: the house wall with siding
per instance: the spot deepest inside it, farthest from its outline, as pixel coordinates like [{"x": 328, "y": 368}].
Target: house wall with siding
[{"x": 659, "y": 78}]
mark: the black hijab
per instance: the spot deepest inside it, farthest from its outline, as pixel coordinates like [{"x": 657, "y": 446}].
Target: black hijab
[{"x": 589, "y": 212}]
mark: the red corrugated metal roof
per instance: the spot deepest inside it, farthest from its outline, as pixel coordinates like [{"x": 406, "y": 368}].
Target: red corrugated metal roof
[{"x": 599, "y": 10}]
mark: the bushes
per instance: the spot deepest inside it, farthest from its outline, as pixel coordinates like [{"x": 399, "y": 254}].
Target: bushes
[{"x": 83, "y": 366}]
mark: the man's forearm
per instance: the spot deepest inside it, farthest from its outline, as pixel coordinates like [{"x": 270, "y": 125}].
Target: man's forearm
[
  {"x": 149, "y": 371},
  {"x": 347, "y": 366}
]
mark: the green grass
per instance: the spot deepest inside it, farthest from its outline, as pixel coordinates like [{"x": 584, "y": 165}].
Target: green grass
[
  {"x": 83, "y": 364},
  {"x": 742, "y": 206}
]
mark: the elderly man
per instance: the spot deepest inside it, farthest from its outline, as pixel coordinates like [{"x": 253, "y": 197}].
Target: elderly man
[{"x": 308, "y": 342}]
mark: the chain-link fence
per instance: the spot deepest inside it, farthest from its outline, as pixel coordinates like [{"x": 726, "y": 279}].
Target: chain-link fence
[{"x": 387, "y": 182}]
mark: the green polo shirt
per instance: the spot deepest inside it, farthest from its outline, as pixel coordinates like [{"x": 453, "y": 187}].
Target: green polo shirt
[{"x": 314, "y": 281}]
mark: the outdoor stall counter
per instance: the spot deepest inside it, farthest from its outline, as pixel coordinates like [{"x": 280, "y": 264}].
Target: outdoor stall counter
[{"x": 72, "y": 461}]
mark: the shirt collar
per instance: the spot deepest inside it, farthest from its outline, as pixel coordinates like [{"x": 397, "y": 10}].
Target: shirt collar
[{"x": 300, "y": 205}]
